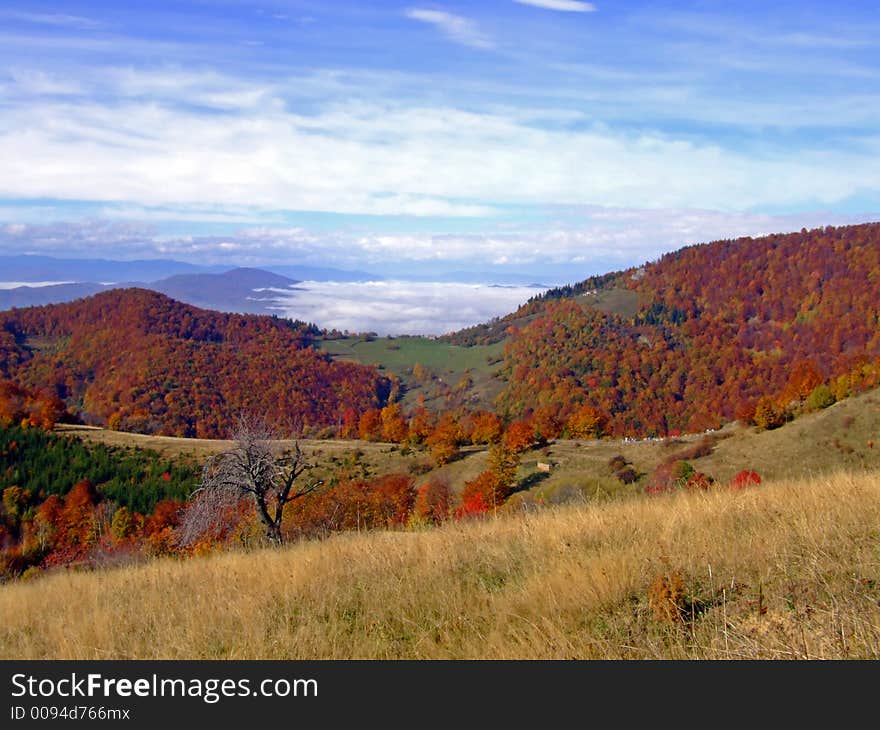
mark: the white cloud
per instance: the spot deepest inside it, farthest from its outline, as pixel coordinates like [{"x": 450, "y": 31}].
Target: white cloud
[
  {"x": 386, "y": 159},
  {"x": 189, "y": 140},
  {"x": 570, "y": 6},
  {"x": 398, "y": 307},
  {"x": 582, "y": 242},
  {"x": 455, "y": 27}
]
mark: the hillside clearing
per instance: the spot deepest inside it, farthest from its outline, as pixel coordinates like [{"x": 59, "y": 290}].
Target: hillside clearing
[
  {"x": 453, "y": 374},
  {"x": 845, "y": 436}
]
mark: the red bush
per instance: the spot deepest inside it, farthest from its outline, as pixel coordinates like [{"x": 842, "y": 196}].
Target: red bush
[
  {"x": 745, "y": 478},
  {"x": 698, "y": 480},
  {"x": 481, "y": 494},
  {"x": 473, "y": 504}
]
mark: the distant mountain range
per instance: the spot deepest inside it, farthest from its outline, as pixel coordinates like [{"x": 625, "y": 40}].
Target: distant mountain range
[
  {"x": 26, "y": 268},
  {"x": 32, "y": 296},
  {"x": 232, "y": 291},
  {"x": 210, "y": 287}
]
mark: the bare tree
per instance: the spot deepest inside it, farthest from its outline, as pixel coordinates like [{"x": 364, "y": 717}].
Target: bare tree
[{"x": 256, "y": 467}]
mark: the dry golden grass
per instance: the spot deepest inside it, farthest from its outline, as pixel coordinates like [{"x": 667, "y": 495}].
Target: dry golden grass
[{"x": 784, "y": 570}]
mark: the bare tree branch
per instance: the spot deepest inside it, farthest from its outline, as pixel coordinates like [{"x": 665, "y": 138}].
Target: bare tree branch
[{"x": 251, "y": 467}]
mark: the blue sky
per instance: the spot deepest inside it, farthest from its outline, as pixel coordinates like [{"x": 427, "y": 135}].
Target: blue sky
[{"x": 554, "y": 137}]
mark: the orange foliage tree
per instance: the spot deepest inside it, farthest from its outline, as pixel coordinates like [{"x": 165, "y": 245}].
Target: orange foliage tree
[
  {"x": 394, "y": 425},
  {"x": 434, "y": 500},
  {"x": 520, "y": 435},
  {"x": 587, "y": 422},
  {"x": 445, "y": 440}
]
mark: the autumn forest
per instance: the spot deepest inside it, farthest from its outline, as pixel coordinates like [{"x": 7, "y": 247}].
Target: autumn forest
[{"x": 756, "y": 330}]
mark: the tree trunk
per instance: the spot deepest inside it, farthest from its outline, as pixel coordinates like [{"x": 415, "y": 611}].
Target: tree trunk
[
  {"x": 273, "y": 534},
  {"x": 273, "y": 527}
]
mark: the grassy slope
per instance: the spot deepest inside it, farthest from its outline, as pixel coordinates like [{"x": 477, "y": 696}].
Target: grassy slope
[
  {"x": 819, "y": 443},
  {"x": 784, "y": 570},
  {"x": 447, "y": 363},
  {"x": 623, "y": 302}
]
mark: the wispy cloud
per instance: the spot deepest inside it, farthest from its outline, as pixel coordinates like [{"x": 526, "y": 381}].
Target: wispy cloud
[
  {"x": 40, "y": 83},
  {"x": 62, "y": 20},
  {"x": 567, "y": 6},
  {"x": 455, "y": 27},
  {"x": 775, "y": 34}
]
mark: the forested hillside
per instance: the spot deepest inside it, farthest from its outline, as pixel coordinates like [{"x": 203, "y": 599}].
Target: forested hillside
[
  {"x": 137, "y": 360},
  {"x": 748, "y": 329},
  {"x": 723, "y": 329}
]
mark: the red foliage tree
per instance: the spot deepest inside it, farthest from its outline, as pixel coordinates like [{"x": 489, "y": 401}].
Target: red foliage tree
[
  {"x": 78, "y": 515},
  {"x": 421, "y": 423},
  {"x": 354, "y": 505},
  {"x": 745, "y": 478},
  {"x": 718, "y": 325},
  {"x": 349, "y": 427},
  {"x": 476, "y": 497},
  {"x": 488, "y": 428},
  {"x": 483, "y": 493},
  {"x": 587, "y": 422},
  {"x": 434, "y": 500}
]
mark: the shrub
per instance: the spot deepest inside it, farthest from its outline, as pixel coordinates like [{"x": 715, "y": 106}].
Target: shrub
[
  {"x": 417, "y": 468},
  {"x": 699, "y": 480},
  {"x": 666, "y": 597},
  {"x": 768, "y": 414},
  {"x": 615, "y": 463},
  {"x": 669, "y": 476},
  {"x": 820, "y": 398},
  {"x": 627, "y": 475},
  {"x": 745, "y": 478},
  {"x": 703, "y": 447}
]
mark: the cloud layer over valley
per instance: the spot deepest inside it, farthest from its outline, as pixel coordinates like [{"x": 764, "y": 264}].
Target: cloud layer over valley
[{"x": 398, "y": 307}]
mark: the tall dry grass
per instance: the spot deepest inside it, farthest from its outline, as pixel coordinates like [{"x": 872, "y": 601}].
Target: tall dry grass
[{"x": 784, "y": 570}]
